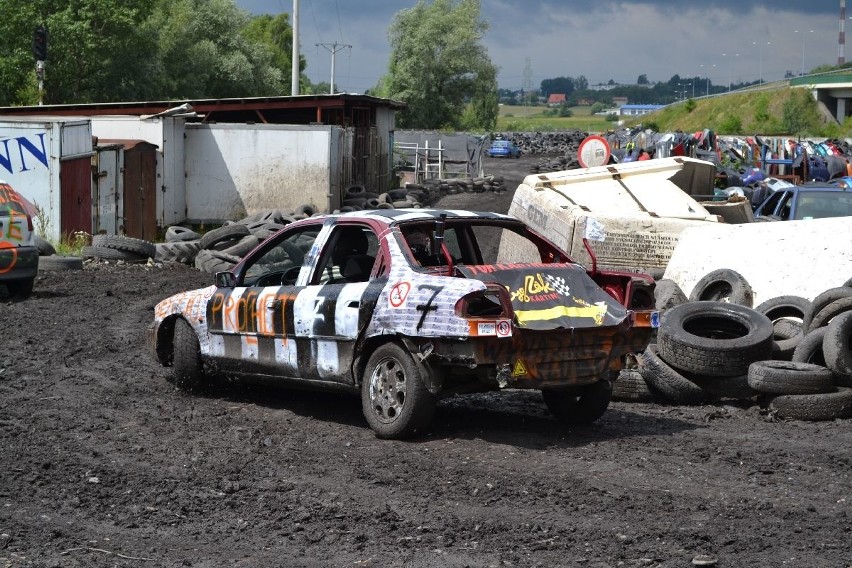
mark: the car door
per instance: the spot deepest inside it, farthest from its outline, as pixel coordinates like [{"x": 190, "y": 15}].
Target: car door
[
  {"x": 250, "y": 323},
  {"x": 335, "y": 305}
]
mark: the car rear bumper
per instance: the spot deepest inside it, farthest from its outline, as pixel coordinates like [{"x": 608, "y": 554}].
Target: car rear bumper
[
  {"x": 551, "y": 359},
  {"x": 18, "y": 263}
]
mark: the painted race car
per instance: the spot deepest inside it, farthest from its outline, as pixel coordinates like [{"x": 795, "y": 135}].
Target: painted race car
[
  {"x": 409, "y": 305},
  {"x": 18, "y": 249}
]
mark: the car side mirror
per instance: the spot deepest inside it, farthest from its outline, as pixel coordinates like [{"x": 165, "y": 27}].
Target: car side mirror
[{"x": 225, "y": 280}]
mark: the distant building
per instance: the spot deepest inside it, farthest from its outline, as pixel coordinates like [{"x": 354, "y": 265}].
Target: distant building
[
  {"x": 638, "y": 110},
  {"x": 556, "y": 99},
  {"x": 619, "y": 101}
]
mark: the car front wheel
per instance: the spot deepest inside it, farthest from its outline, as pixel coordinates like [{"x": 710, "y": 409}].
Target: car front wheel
[
  {"x": 187, "y": 367},
  {"x": 394, "y": 398},
  {"x": 581, "y": 405}
]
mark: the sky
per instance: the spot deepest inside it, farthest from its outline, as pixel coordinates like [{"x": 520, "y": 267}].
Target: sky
[{"x": 724, "y": 40}]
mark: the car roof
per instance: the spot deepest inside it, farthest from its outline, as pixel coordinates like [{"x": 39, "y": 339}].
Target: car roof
[
  {"x": 396, "y": 216},
  {"x": 817, "y": 186}
]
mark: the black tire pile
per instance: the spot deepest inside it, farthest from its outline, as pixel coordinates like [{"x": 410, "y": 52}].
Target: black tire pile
[
  {"x": 546, "y": 142},
  {"x": 416, "y": 195},
  {"x": 220, "y": 249},
  {"x": 791, "y": 355}
]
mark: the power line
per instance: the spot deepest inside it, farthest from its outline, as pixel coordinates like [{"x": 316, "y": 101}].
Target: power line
[{"x": 333, "y": 48}]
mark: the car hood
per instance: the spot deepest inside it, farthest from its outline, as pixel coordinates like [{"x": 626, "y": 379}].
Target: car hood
[{"x": 551, "y": 296}]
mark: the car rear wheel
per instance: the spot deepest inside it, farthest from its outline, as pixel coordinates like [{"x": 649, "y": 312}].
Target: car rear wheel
[
  {"x": 187, "y": 367},
  {"x": 394, "y": 398},
  {"x": 582, "y": 405},
  {"x": 19, "y": 290}
]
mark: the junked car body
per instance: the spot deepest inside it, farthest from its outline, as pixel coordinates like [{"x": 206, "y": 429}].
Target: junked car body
[
  {"x": 363, "y": 301},
  {"x": 18, "y": 250}
]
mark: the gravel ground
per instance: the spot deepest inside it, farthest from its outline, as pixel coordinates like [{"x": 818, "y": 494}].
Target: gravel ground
[{"x": 106, "y": 464}]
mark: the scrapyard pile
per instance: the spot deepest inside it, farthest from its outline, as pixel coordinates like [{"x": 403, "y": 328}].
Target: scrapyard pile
[{"x": 790, "y": 354}]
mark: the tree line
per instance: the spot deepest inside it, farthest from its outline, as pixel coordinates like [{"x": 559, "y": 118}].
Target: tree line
[{"x": 137, "y": 50}]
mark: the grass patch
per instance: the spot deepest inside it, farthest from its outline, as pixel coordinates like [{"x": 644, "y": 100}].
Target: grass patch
[
  {"x": 533, "y": 119},
  {"x": 72, "y": 245},
  {"x": 779, "y": 112}
]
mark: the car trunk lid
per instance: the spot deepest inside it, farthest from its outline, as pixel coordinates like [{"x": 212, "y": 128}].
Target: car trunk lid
[{"x": 551, "y": 296}]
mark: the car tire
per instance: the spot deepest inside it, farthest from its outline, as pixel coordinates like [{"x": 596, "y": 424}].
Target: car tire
[
  {"x": 226, "y": 233},
  {"x": 714, "y": 338},
  {"x": 825, "y": 315},
  {"x": 723, "y": 285},
  {"x": 788, "y": 377},
  {"x": 814, "y": 407},
  {"x": 725, "y": 387},
  {"x": 822, "y": 300},
  {"x": 213, "y": 261},
  {"x": 187, "y": 367},
  {"x": 668, "y": 294},
  {"x": 673, "y": 385},
  {"x": 19, "y": 290},
  {"x": 394, "y": 397},
  {"x": 58, "y": 262},
  {"x": 244, "y": 246},
  {"x": 837, "y": 344},
  {"x": 109, "y": 253},
  {"x": 138, "y": 247},
  {"x": 44, "y": 247},
  {"x": 579, "y": 405},
  {"x": 630, "y": 386},
  {"x": 177, "y": 251},
  {"x": 176, "y": 234}
]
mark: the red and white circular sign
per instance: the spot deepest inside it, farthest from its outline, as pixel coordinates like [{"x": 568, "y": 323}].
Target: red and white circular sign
[{"x": 593, "y": 151}]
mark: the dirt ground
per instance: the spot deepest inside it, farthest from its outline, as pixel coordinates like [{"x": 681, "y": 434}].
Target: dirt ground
[{"x": 104, "y": 463}]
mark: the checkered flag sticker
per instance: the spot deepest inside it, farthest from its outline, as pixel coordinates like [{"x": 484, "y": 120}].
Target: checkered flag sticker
[{"x": 558, "y": 284}]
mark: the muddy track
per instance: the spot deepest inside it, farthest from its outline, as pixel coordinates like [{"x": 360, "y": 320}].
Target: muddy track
[{"x": 104, "y": 463}]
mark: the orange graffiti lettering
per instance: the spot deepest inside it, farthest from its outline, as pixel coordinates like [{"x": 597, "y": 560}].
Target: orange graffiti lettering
[{"x": 4, "y": 245}]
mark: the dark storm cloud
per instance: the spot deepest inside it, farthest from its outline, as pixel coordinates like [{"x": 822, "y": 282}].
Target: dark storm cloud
[{"x": 721, "y": 40}]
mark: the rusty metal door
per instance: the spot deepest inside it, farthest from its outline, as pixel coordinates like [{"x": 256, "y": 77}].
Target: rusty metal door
[
  {"x": 75, "y": 182},
  {"x": 140, "y": 198}
]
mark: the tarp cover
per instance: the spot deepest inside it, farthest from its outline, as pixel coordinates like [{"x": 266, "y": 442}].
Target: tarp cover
[{"x": 551, "y": 296}]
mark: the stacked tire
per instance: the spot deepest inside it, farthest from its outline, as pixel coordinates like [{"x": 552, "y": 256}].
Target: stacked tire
[
  {"x": 704, "y": 350},
  {"x": 119, "y": 248}
]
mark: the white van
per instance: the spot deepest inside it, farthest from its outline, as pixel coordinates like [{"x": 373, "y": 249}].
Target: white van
[{"x": 642, "y": 207}]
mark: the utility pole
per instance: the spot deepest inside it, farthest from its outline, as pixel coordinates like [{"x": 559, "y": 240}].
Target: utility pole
[
  {"x": 294, "y": 74},
  {"x": 333, "y": 48},
  {"x": 40, "y": 55},
  {"x": 527, "y": 87}
]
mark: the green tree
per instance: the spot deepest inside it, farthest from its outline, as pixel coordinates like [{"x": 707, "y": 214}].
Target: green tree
[
  {"x": 97, "y": 50},
  {"x": 204, "y": 54},
  {"x": 642, "y": 79},
  {"x": 276, "y": 34},
  {"x": 440, "y": 68},
  {"x": 122, "y": 50}
]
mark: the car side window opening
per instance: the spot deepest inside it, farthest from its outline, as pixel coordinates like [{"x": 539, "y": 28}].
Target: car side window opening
[
  {"x": 771, "y": 204},
  {"x": 786, "y": 205},
  {"x": 280, "y": 265},
  {"x": 350, "y": 256},
  {"x": 420, "y": 238}
]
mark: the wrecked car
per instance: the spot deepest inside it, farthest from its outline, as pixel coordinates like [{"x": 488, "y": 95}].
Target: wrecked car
[
  {"x": 404, "y": 305},
  {"x": 18, "y": 249}
]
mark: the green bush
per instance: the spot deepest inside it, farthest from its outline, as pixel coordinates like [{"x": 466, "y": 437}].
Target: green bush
[{"x": 731, "y": 125}]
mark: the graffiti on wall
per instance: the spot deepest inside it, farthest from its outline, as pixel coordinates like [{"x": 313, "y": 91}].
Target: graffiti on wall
[{"x": 23, "y": 153}]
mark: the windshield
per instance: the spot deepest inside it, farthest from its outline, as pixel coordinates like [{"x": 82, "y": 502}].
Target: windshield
[{"x": 822, "y": 204}]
